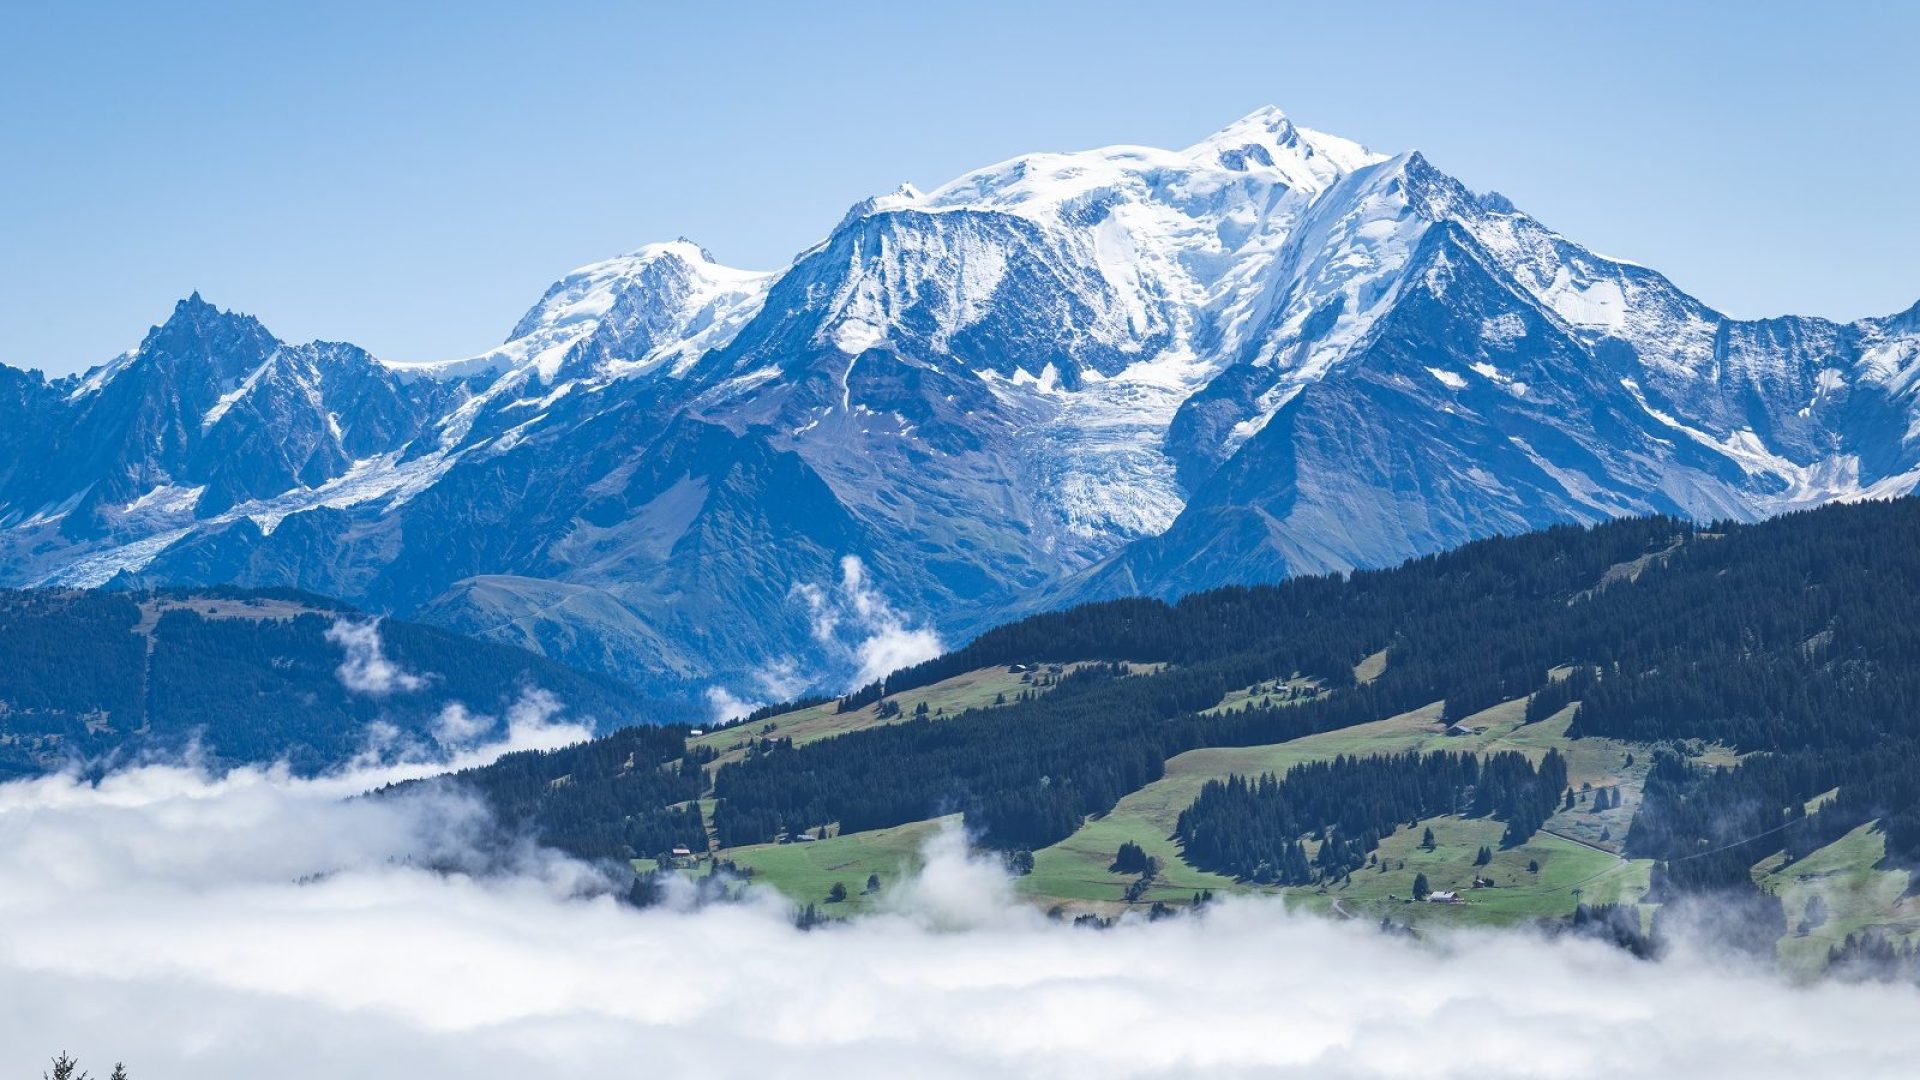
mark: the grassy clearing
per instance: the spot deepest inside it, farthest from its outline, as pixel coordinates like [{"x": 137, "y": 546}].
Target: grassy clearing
[
  {"x": 979, "y": 689},
  {"x": 1568, "y": 874},
  {"x": 1371, "y": 668},
  {"x": 1291, "y": 691},
  {"x": 1075, "y": 869},
  {"x": 1858, "y": 893},
  {"x": 806, "y": 872}
]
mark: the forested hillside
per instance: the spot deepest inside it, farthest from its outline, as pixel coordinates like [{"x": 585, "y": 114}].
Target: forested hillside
[
  {"x": 247, "y": 676},
  {"x": 1788, "y": 644}
]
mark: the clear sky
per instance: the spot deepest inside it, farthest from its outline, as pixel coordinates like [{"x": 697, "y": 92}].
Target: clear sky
[{"x": 411, "y": 180}]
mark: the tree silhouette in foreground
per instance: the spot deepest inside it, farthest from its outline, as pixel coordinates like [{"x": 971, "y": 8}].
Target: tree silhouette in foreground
[{"x": 65, "y": 1067}]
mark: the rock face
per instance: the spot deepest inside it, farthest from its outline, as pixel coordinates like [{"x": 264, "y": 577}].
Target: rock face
[{"x": 1066, "y": 376}]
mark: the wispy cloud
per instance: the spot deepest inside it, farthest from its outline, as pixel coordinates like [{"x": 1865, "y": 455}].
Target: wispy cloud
[
  {"x": 725, "y": 705},
  {"x": 366, "y": 669},
  {"x": 854, "y": 620}
]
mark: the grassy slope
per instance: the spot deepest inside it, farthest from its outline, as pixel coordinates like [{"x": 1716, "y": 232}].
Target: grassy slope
[
  {"x": 1858, "y": 893},
  {"x": 1576, "y": 852},
  {"x": 1076, "y": 868},
  {"x": 973, "y": 690},
  {"x": 806, "y": 872},
  {"x": 1074, "y": 871}
]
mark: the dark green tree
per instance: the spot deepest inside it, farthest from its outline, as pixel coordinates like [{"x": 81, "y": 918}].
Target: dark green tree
[{"x": 1130, "y": 859}]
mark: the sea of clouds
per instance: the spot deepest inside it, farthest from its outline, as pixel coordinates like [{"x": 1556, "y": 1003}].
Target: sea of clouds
[{"x": 260, "y": 925}]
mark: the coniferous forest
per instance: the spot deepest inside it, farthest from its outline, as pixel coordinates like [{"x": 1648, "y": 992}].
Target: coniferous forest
[
  {"x": 1790, "y": 641},
  {"x": 1252, "y": 829},
  {"x": 93, "y": 675}
]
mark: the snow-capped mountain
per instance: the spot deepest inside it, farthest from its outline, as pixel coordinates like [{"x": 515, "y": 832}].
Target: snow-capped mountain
[{"x": 1059, "y": 377}]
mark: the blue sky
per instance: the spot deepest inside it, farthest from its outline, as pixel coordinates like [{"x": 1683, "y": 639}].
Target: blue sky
[{"x": 412, "y": 180}]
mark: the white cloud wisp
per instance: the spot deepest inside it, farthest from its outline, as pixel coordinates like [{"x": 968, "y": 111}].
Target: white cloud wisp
[
  {"x": 855, "y": 620},
  {"x": 365, "y": 668}
]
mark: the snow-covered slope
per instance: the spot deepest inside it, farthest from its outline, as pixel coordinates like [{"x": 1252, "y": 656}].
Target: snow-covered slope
[
  {"x": 1063, "y": 376},
  {"x": 660, "y": 306}
]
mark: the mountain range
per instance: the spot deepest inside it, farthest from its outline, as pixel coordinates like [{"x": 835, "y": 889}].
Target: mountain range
[{"x": 1065, "y": 377}]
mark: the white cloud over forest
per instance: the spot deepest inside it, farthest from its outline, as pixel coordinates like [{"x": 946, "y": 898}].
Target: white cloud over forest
[{"x": 260, "y": 925}]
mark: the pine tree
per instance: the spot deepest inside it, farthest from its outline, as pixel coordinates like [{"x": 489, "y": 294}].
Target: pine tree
[
  {"x": 1130, "y": 859},
  {"x": 873, "y": 883},
  {"x": 836, "y": 894},
  {"x": 1420, "y": 888},
  {"x": 65, "y": 1068},
  {"x": 1426, "y": 840},
  {"x": 1484, "y": 856}
]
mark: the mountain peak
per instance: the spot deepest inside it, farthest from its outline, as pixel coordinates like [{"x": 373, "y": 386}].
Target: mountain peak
[
  {"x": 1267, "y": 138},
  {"x": 196, "y": 332},
  {"x": 195, "y": 316},
  {"x": 903, "y": 196},
  {"x": 192, "y": 307},
  {"x": 1266, "y": 124},
  {"x": 703, "y": 254}
]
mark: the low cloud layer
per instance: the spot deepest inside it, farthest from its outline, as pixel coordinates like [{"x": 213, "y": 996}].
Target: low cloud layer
[{"x": 259, "y": 925}]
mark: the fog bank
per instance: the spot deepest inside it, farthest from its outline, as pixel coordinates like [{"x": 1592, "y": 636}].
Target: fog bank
[{"x": 258, "y": 925}]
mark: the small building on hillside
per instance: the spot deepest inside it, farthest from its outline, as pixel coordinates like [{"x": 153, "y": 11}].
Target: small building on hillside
[
  {"x": 1443, "y": 896},
  {"x": 682, "y": 852}
]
